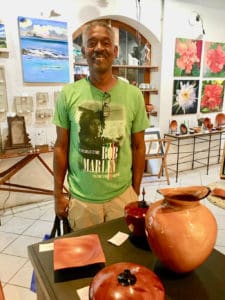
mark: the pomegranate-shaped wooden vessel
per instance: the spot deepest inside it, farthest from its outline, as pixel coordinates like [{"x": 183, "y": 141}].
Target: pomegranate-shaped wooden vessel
[
  {"x": 180, "y": 230},
  {"x": 134, "y": 213},
  {"x": 126, "y": 280}
]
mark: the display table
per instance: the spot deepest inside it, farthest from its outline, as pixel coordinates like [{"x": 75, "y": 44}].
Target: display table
[
  {"x": 194, "y": 150},
  {"x": 220, "y": 202},
  {"x": 206, "y": 282},
  {"x": 26, "y": 155}
]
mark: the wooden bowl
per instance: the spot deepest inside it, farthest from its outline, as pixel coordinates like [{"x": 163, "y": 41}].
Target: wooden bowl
[
  {"x": 220, "y": 120},
  {"x": 173, "y": 125}
]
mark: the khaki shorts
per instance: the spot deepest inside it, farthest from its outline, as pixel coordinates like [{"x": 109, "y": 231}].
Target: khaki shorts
[{"x": 85, "y": 214}]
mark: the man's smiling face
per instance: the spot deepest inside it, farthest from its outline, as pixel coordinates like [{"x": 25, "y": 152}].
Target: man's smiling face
[{"x": 99, "y": 49}]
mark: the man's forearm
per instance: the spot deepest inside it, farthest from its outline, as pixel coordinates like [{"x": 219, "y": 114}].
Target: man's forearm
[
  {"x": 60, "y": 165},
  {"x": 138, "y": 168}
]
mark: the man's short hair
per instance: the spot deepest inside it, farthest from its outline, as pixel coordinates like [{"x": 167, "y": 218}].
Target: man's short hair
[{"x": 88, "y": 26}]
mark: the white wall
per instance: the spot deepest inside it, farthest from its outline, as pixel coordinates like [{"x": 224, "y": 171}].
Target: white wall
[{"x": 75, "y": 12}]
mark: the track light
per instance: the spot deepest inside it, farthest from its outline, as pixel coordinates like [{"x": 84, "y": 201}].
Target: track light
[{"x": 196, "y": 19}]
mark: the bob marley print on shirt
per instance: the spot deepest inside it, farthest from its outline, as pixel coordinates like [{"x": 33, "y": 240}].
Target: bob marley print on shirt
[{"x": 101, "y": 132}]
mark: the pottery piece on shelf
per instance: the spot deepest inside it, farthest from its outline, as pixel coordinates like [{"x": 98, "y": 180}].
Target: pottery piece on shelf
[
  {"x": 180, "y": 230},
  {"x": 197, "y": 129},
  {"x": 183, "y": 129},
  {"x": 220, "y": 120},
  {"x": 207, "y": 123},
  {"x": 191, "y": 130},
  {"x": 126, "y": 280},
  {"x": 149, "y": 107},
  {"x": 173, "y": 126}
]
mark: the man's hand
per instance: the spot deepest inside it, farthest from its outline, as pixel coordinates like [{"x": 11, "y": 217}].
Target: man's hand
[{"x": 61, "y": 206}]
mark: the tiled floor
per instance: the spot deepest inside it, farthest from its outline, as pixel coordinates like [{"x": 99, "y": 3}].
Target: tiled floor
[{"x": 25, "y": 225}]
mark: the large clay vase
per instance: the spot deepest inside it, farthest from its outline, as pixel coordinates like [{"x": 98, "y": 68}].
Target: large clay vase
[{"x": 180, "y": 230}]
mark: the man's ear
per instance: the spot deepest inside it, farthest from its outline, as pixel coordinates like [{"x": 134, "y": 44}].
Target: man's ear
[
  {"x": 116, "y": 51},
  {"x": 83, "y": 52}
]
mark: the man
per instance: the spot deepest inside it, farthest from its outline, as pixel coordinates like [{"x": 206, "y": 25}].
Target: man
[{"x": 103, "y": 176}]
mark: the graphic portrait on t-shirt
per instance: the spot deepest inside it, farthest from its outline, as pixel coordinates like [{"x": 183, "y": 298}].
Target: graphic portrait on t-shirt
[{"x": 100, "y": 137}]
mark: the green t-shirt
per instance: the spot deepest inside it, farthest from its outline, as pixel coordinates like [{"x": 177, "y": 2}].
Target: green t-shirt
[{"x": 100, "y": 124}]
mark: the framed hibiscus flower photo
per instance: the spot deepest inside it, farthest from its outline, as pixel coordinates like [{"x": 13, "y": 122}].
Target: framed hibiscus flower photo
[
  {"x": 214, "y": 59},
  {"x": 185, "y": 97},
  {"x": 187, "y": 60},
  {"x": 212, "y": 96}
]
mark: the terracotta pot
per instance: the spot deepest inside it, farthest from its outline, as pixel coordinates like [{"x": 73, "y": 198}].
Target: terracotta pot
[
  {"x": 173, "y": 126},
  {"x": 180, "y": 230},
  {"x": 207, "y": 123},
  {"x": 126, "y": 280},
  {"x": 220, "y": 119}
]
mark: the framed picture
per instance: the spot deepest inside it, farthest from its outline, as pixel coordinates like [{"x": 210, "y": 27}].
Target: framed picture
[
  {"x": 23, "y": 104},
  {"x": 42, "y": 99},
  {"x": 187, "y": 60},
  {"x": 3, "y": 42},
  {"x": 185, "y": 97},
  {"x": 17, "y": 136},
  {"x": 214, "y": 65},
  {"x": 44, "y": 50},
  {"x": 212, "y": 95},
  {"x": 153, "y": 146}
]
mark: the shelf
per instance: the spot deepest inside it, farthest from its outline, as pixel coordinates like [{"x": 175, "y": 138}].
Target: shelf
[
  {"x": 153, "y": 113},
  {"x": 4, "y": 52},
  {"x": 149, "y": 91},
  {"x": 4, "y": 49},
  {"x": 152, "y": 68}
]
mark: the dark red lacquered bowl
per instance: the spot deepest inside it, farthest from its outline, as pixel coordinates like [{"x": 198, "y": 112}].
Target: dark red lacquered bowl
[{"x": 135, "y": 217}]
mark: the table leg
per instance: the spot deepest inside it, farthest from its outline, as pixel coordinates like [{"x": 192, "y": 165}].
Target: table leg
[
  {"x": 178, "y": 156},
  {"x": 207, "y": 166},
  {"x": 193, "y": 155}
]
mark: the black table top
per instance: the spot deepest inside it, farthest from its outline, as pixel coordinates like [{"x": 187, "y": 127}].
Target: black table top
[{"x": 206, "y": 282}]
